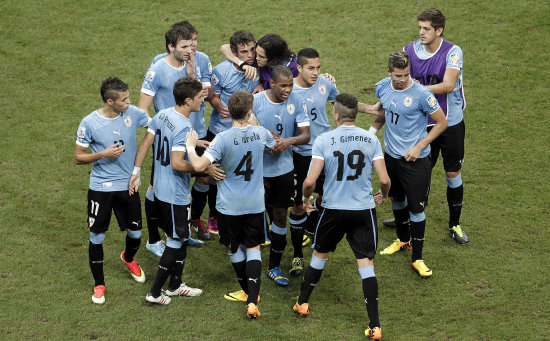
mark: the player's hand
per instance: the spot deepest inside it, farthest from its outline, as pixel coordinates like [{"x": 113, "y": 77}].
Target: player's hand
[
  {"x": 250, "y": 72},
  {"x": 113, "y": 151},
  {"x": 275, "y": 135},
  {"x": 224, "y": 112},
  {"x": 215, "y": 171},
  {"x": 308, "y": 206},
  {"x": 379, "y": 198},
  {"x": 191, "y": 139},
  {"x": 379, "y": 109},
  {"x": 190, "y": 67},
  {"x": 412, "y": 154},
  {"x": 329, "y": 77},
  {"x": 134, "y": 184},
  {"x": 258, "y": 88},
  {"x": 281, "y": 145},
  {"x": 203, "y": 143}
]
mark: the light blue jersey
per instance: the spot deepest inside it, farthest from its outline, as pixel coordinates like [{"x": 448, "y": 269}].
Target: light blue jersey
[
  {"x": 170, "y": 129},
  {"x": 280, "y": 118},
  {"x": 406, "y": 116},
  {"x": 226, "y": 80},
  {"x": 159, "y": 82},
  {"x": 316, "y": 98},
  {"x": 348, "y": 153},
  {"x": 240, "y": 152},
  {"x": 98, "y": 133}
]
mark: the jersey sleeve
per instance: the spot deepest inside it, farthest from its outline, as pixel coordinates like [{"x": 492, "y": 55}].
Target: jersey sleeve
[
  {"x": 269, "y": 139},
  {"x": 83, "y": 134},
  {"x": 150, "y": 82},
  {"x": 301, "y": 117},
  {"x": 429, "y": 104},
  {"x": 317, "y": 149},
  {"x": 454, "y": 58},
  {"x": 178, "y": 144},
  {"x": 333, "y": 92},
  {"x": 215, "y": 149},
  {"x": 206, "y": 70},
  {"x": 216, "y": 80},
  {"x": 143, "y": 118},
  {"x": 377, "y": 149}
]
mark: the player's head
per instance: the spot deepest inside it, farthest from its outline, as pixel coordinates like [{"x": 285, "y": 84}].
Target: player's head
[
  {"x": 115, "y": 94},
  {"x": 309, "y": 65},
  {"x": 272, "y": 50},
  {"x": 345, "y": 108},
  {"x": 242, "y": 45},
  {"x": 240, "y": 105},
  {"x": 281, "y": 82},
  {"x": 178, "y": 43},
  {"x": 188, "y": 91},
  {"x": 431, "y": 24},
  {"x": 399, "y": 69},
  {"x": 187, "y": 25}
]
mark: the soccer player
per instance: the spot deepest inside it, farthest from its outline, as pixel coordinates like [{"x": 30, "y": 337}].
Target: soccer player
[
  {"x": 408, "y": 105},
  {"x": 240, "y": 204},
  {"x": 172, "y": 178},
  {"x": 110, "y": 132},
  {"x": 280, "y": 110},
  {"x": 437, "y": 64},
  {"x": 347, "y": 154}
]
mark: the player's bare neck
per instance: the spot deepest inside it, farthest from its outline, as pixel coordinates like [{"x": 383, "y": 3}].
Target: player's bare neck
[
  {"x": 240, "y": 124},
  {"x": 107, "y": 112},
  {"x": 433, "y": 46},
  {"x": 173, "y": 62},
  {"x": 272, "y": 96},
  {"x": 301, "y": 83},
  {"x": 183, "y": 110}
]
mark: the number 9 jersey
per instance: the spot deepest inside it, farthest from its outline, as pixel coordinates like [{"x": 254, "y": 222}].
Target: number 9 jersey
[{"x": 348, "y": 153}]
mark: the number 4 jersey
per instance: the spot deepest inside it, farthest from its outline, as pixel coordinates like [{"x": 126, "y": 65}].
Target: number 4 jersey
[
  {"x": 240, "y": 152},
  {"x": 348, "y": 153}
]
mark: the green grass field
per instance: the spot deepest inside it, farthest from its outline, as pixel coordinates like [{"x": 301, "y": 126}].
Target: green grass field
[{"x": 53, "y": 57}]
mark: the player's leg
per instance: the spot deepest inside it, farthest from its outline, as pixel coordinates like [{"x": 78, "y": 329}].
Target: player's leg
[
  {"x": 199, "y": 194},
  {"x": 252, "y": 238},
  {"x": 298, "y": 217},
  {"x": 278, "y": 245},
  {"x": 154, "y": 243},
  {"x": 370, "y": 293},
  {"x": 212, "y": 219}
]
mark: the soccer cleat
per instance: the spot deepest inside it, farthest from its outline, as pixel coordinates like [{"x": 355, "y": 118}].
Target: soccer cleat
[
  {"x": 396, "y": 246},
  {"x": 239, "y": 295},
  {"x": 194, "y": 242},
  {"x": 421, "y": 268},
  {"x": 374, "y": 333},
  {"x": 162, "y": 299},
  {"x": 458, "y": 234},
  {"x": 156, "y": 248},
  {"x": 135, "y": 269},
  {"x": 297, "y": 267},
  {"x": 277, "y": 275},
  {"x": 252, "y": 311},
  {"x": 199, "y": 227},
  {"x": 99, "y": 294},
  {"x": 302, "y": 309},
  {"x": 213, "y": 225},
  {"x": 305, "y": 241},
  {"x": 266, "y": 243},
  {"x": 388, "y": 223},
  {"x": 183, "y": 290}
]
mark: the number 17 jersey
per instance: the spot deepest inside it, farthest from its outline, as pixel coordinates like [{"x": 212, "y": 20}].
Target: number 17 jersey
[{"x": 348, "y": 153}]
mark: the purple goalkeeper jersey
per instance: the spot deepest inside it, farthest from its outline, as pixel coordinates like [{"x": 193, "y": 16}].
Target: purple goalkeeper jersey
[{"x": 265, "y": 71}]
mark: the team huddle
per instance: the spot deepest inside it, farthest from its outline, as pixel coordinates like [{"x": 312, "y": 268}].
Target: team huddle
[{"x": 268, "y": 147}]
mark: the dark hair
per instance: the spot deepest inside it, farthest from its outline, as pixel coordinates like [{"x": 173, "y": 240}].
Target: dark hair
[
  {"x": 346, "y": 106},
  {"x": 305, "y": 54},
  {"x": 111, "y": 87},
  {"x": 434, "y": 16},
  {"x": 240, "y": 37},
  {"x": 240, "y": 103},
  {"x": 276, "y": 49},
  {"x": 399, "y": 59},
  {"x": 186, "y": 87},
  {"x": 175, "y": 34},
  {"x": 280, "y": 71},
  {"x": 187, "y": 25}
]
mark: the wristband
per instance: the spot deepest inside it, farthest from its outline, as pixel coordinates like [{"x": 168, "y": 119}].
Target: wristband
[
  {"x": 136, "y": 171},
  {"x": 373, "y": 130},
  {"x": 191, "y": 149},
  {"x": 241, "y": 64}
]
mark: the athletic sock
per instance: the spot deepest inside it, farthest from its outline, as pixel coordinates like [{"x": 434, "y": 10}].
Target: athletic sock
[
  {"x": 297, "y": 223},
  {"x": 95, "y": 254},
  {"x": 454, "y": 200},
  {"x": 253, "y": 275},
  {"x": 152, "y": 221},
  {"x": 278, "y": 244},
  {"x": 132, "y": 246},
  {"x": 240, "y": 271},
  {"x": 310, "y": 280},
  {"x": 166, "y": 266},
  {"x": 417, "y": 238},
  {"x": 198, "y": 201},
  {"x": 212, "y": 193},
  {"x": 402, "y": 224},
  {"x": 311, "y": 223},
  {"x": 177, "y": 273},
  {"x": 370, "y": 292}
]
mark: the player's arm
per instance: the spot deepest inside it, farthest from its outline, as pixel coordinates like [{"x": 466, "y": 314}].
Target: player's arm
[
  {"x": 145, "y": 102},
  {"x": 217, "y": 104},
  {"x": 81, "y": 157},
  {"x": 308, "y": 186},
  {"x": 143, "y": 148},
  {"x": 285, "y": 143},
  {"x": 377, "y": 124},
  {"x": 199, "y": 163},
  {"x": 440, "y": 125},
  {"x": 385, "y": 183},
  {"x": 250, "y": 72},
  {"x": 376, "y": 109},
  {"x": 449, "y": 81}
]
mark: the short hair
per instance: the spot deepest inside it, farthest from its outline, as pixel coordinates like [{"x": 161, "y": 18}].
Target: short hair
[
  {"x": 346, "y": 106},
  {"x": 240, "y": 37},
  {"x": 399, "y": 59},
  {"x": 305, "y": 54},
  {"x": 276, "y": 49},
  {"x": 240, "y": 104},
  {"x": 175, "y": 34},
  {"x": 281, "y": 71},
  {"x": 186, "y": 87},
  {"x": 434, "y": 16},
  {"x": 187, "y": 25},
  {"x": 111, "y": 87}
]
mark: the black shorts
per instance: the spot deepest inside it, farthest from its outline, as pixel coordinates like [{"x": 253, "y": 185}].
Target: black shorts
[
  {"x": 173, "y": 219},
  {"x": 301, "y": 168},
  {"x": 127, "y": 210},
  {"x": 246, "y": 229},
  {"x": 279, "y": 190},
  {"x": 411, "y": 179},
  {"x": 451, "y": 145},
  {"x": 359, "y": 227}
]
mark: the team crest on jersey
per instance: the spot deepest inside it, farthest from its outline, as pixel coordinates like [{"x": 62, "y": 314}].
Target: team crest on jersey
[
  {"x": 454, "y": 58},
  {"x": 81, "y": 132},
  {"x": 150, "y": 75},
  {"x": 91, "y": 221},
  {"x": 214, "y": 80},
  {"x": 322, "y": 89},
  {"x": 408, "y": 101},
  {"x": 431, "y": 101},
  {"x": 290, "y": 108},
  {"x": 128, "y": 121}
]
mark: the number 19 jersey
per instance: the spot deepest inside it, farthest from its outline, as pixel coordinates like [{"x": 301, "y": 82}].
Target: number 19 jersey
[{"x": 348, "y": 153}]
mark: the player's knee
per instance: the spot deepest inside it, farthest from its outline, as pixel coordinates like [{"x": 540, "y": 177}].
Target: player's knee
[
  {"x": 399, "y": 205},
  {"x": 278, "y": 230},
  {"x": 417, "y": 217},
  {"x": 454, "y": 179},
  {"x": 367, "y": 271},
  {"x": 97, "y": 238},
  {"x": 238, "y": 256},
  {"x": 253, "y": 255},
  {"x": 134, "y": 234},
  {"x": 203, "y": 181},
  {"x": 317, "y": 263}
]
